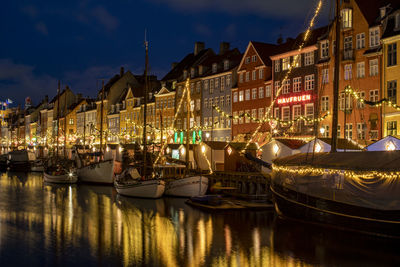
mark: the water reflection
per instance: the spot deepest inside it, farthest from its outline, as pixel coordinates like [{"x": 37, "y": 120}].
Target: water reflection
[{"x": 45, "y": 224}]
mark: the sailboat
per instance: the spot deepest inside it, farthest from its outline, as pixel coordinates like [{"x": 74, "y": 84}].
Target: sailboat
[
  {"x": 97, "y": 172},
  {"x": 130, "y": 182},
  {"x": 356, "y": 191},
  {"x": 57, "y": 170},
  {"x": 187, "y": 185}
]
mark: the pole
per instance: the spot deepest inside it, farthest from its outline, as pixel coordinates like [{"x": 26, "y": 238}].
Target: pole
[
  {"x": 187, "y": 125},
  {"x": 84, "y": 131},
  {"x": 146, "y": 44},
  {"x": 336, "y": 81},
  {"x": 58, "y": 114},
  {"x": 101, "y": 117},
  {"x": 65, "y": 124}
]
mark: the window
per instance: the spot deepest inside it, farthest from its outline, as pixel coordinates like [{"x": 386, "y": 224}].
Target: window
[
  {"x": 247, "y": 76},
  {"x": 205, "y": 85},
  {"x": 228, "y": 100},
  {"x": 277, "y": 86},
  {"x": 391, "y": 128},
  {"x": 191, "y": 72},
  {"x": 268, "y": 91},
  {"x": 325, "y": 76},
  {"x": 285, "y": 113},
  {"x": 392, "y": 55},
  {"x": 191, "y": 105},
  {"x": 234, "y": 114},
  {"x": 373, "y": 67},
  {"x": 253, "y": 75},
  {"x": 296, "y": 112},
  {"x": 348, "y": 131},
  {"x": 228, "y": 81},
  {"x": 222, "y": 122},
  {"x": 254, "y": 113},
  {"x": 286, "y": 87},
  {"x": 216, "y": 122},
  {"x": 211, "y": 86},
  {"x": 241, "y": 77},
  {"x": 309, "y": 112},
  {"x": 261, "y": 74},
  {"x": 325, "y": 131},
  {"x": 361, "y": 95},
  {"x": 247, "y": 61},
  {"x": 345, "y": 101},
  {"x": 198, "y": 87},
  {"x": 222, "y": 100},
  {"x": 276, "y": 113},
  {"x": 222, "y": 83},
  {"x": 277, "y": 65},
  {"x": 216, "y": 83},
  {"x": 261, "y": 113},
  {"x": 297, "y": 84},
  {"x": 297, "y": 61},
  {"x": 309, "y": 83},
  {"x": 391, "y": 91},
  {"x": 226, "y": 64},
  {"x": 198, "y": 104},
  {"x": 71, "y": 121},
  {"x": 206, "y": 121},
  {"x": 309, "y": 58},
  {"x": 347, "y": 18},
  {"x": 373, "y": 95},
  {"x": 348, "y": 48},
  {"x": 205, "y": 102},
  {"x": 285, "y": 63},
  {"x": 247, "y": 119},
  {"x": 254, "y": 93},
  {"x": 360, "y": 70},
  {"x": 185, "y": 74},
  {"x": 348, "y": 73},
  {"x": 261, "y": 92},
  {"x": 191, "y": 88},
  {"x": 235, "y": 97},
  {"x": 214, "y": 67},
  {"x": 325, "y": 103},
  {"x": 374, "y": 37},
  {"x": 360, "y": 40},
  {"x": 253, "y": 58},
  {"x": 216, "y": 101},
  {"x": 324, "y": 49},
  {"x": 241, "y": 96},
  {"x": 247, "y": 97},
  {"x": 361, "y": 129},
  {"x": 228, "y": 125}
]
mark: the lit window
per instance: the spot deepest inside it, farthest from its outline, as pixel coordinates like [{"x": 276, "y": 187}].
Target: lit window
[
  {"x": 309, "y": 58},
  {"x": 241, "y": 98},
  {"x": 309, "y": 82},
  {"x": 347, "y": 18},
  {"x": 373, "y": 67},
  {"x": 360, "y": 40},
  {"x": 324, "y": 49},
  {"x": 297, "y": 84},
  {"x": 325, "y": 103},
  {"x": 360, "y": 70},
  {"x": 374, "y": 39},
  {"x": 286, "y": 63}
]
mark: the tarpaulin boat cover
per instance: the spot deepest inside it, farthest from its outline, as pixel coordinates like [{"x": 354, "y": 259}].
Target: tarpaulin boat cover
[
  {"x": 19, "y": 155},
  {"x": 364, "y": 179}
]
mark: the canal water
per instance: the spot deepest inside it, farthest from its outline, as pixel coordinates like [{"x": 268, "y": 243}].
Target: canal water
[{"x": 86, "y": 225}]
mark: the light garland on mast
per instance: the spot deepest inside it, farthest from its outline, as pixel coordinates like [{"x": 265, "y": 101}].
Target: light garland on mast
[{"x": 306, "y": 36}]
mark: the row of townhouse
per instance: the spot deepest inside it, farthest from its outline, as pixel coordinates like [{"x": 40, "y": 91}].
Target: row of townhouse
[{"x": 249, "y": 83}]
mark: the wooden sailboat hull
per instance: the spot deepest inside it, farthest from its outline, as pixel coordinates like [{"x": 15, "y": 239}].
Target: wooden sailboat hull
[
  {"x": 297, "y": 205},
  {"x": 99, "y": 172},
  {"x": 60, "y": 179},
  {"x": 187, "y": 186},
  {"x": 141, "y": 189}
]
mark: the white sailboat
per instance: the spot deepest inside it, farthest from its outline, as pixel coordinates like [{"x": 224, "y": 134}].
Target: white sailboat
[{"x": 130, "y": 182}]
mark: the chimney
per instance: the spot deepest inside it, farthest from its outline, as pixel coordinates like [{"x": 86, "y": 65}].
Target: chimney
[
  {"x": 198, "y": 46},
  {"x": 280, "y": 40},
  {"x": 46, "y": 99},
  {"x": 121, "y": 72},
  {"x": 223, "y": 48},
  {"x": 173, "y": 65}
]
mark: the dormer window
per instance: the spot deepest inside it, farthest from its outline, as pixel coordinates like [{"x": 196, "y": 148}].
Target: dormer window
[
  {"x": 324, "y": 49},
  {"x": 347, "y": 18},
  {"x": 192, "y": 72},
  {"x": 383, "y": 11},
  {"x": 214, "y": 67},
  {"x": 247, "y": 60},
  {"x": 185, "y": 73},
  {"x": 253, "y": 58},
  {"x": 397, "y": 21},
  {"x": 374, "y": 38},
  {"x": 200, "y": 70},
  {"x": 226, "y": 64}
]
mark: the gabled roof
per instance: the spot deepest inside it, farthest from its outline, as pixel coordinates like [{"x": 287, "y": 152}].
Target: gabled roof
[
  {"x": 234, "y": 56},
  {"x": 291, "y": 143},
  {"x": 240, "y": 146},
  {"x": 264, "y": 50},
  {"x": 390, "y": 29},
  {"x": 342, "y": 143},
  {"x": 371, "y": 9}
]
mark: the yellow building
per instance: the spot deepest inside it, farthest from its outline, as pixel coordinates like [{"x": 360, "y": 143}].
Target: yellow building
[{"x": 391, "y": 73}]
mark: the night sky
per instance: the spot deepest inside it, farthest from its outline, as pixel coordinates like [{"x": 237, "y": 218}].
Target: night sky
[{"x": 80, "y": 42}]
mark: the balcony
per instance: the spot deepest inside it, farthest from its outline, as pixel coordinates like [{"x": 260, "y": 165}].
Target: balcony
[{"x": 348, "y": 54}]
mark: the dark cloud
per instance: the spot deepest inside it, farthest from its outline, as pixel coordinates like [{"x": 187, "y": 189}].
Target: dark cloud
[
  {"x": 42, "y": 28},
  {"x": 105, "y": 18},
  {"x": 203, "y": 30}
]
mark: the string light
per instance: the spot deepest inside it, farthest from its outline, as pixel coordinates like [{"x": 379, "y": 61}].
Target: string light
[{"x": 350, "y": 90}]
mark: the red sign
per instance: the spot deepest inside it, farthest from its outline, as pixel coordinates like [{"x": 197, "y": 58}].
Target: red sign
[{"x": 292, "y": 99}]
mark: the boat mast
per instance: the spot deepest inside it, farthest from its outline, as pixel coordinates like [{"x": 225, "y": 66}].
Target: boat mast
[
  {"x": 84, "y": 129},
  {"x": 58, "y": 114},
  {"x": 146, "y": 45},
  {"x": 65, "y": 124},
  {"x": 336, "y": 80},
  {"x": 101, "y": 117},
  {"x": 187, "y": 125}
]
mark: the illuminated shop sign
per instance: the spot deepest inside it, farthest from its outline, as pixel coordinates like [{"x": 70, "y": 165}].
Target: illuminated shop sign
[{"x": 292, "y": 99}]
